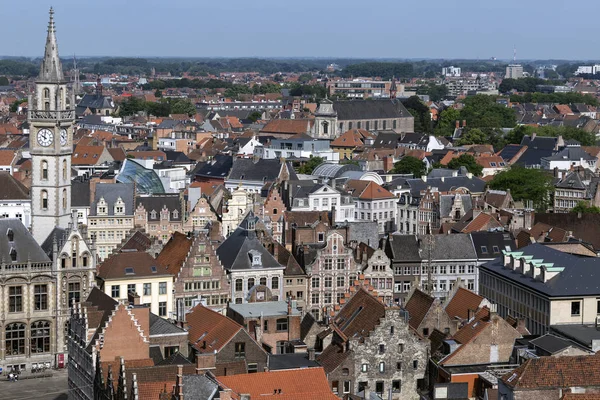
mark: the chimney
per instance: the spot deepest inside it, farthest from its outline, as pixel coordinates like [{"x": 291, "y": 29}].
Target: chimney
[
  {"x": 205, "y": 362},
  {"x": 457, "y": 124},
  {"x": 464, "y": 123},
  {"x": 388, "y": 163},
  {"x": 179, "y": 385},
  {"x": 311, "y": 354},
  {"x": 225, "y": 394},
  {"x": 533, "y": 135},
  {"x": 424, "y": 178}
]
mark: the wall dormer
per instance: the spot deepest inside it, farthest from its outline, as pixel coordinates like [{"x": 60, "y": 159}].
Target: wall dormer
[
  {"x": 10, "y": 235},
  {"x": 119, "y": 207},
  {"x": 102, "y": 207},
  {"x": 255, "y": 258}
]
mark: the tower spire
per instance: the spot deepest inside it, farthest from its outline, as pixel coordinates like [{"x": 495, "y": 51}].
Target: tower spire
[{"x": 51, "y": 70}]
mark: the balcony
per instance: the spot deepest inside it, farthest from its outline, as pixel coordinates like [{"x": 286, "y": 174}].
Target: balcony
[{"x": 40, "y": 115}]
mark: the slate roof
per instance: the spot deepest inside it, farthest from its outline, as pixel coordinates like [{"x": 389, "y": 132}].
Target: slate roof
[
  {"x": 130, "y": 264},
  {"x": 246, "y": 169},
  {"x": 290, "y": 361},
  {"x": 138, "y": 241},
  {"x": 199, "y": 387},
  {"x": 539, "y": 142},
  {"x": 370, "y": 109},
  {"x": 446, "y": 202},
  {"x": 550, "y": 343},
  {"x": 160, "y": 326},
  {"x": 94, "y": 101},
  {"x": 555, "y": 372},
  {"x": 206, "y": 325},
  {"x": 217, "y": 168},
  {"x": 111, "y": 192},
  {"x": 362, "y": 232},
  {"x": 80, "y": 193},
  {"x": 416, "y": 185},
  {"x": 418, "y": 306},
  {"x": 234, "y": 251},
  {"x": 12, "y": 189},
  {"x": 157, "y": 201},
  {"x": 574, "y": 280},
  {"x": 491, "y": 241},
  {"x": 457, "y": 246},
  {"x": 404, "y": 247},
  {"x": 60, "y": 235},
  {"x": 571, "y": 153},
  {"x": 23, "y": 243}
]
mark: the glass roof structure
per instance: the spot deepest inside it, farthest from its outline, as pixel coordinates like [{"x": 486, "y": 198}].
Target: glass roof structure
[
  {"x": 146, "y": 180},
  {"x": 327, "y": 170}
]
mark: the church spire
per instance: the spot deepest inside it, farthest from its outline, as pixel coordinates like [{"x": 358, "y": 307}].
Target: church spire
[{"x": 51, "y": 70}]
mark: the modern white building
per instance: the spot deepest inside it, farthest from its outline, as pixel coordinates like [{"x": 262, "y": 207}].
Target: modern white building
[
  {"x": 514, "y": 71},
  {"x": 300, "y": 147},
  {"x": 451, "y": 71}
]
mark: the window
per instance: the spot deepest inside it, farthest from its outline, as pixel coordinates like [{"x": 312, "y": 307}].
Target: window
[
  {"x": 341, "y": 263},
  {"x": 346, "y": 388},
  {"x": 327, "y": 298},
  {"x": 162, "y": 288},
  {"x": 314, "y": 298},
  {"x": 115, "y": 291},
  {"x": 44, "y": 170},
  {"x": 274, "y": 283},
  {"x": 130, "y": 288},
  {"x": 15, "y": 339},
  {"x": 396, "y": 386},
  {"x": 74, "y": 292},
  {"x": 64, "y": 170},
  {"x": 315, "y": 282},
  {"x": 15, "y": 299},
  {"x": 282, "y": 324},
  {"x": 327, "y": 264},
  {"x": 44, "y": 195},
  {"x": 340, "y": 281},
  {"x": 425, "y": 331},
  {"x": 415, "y": 364},
  {"x": 364, "y": 368},
  {"x": 266, "y": 325},
  {"x": 381, "y": 348},
  {"x": 252, "y": 368},
  {"x": 40, "y": 337},
  {"x": 40, "y": 297},
  {"x": 400, "y": 347},
  {"x": 484, "y": 250},
  {"x": 239, "y": 285},
  {"x": 461, "y": 269},
  {"x": 334, "y": 387},
  {"x": 399, "y": 366},
  {"x": 147, "y": 289},
  {"x": 162, "y": 309},
  {"x": 328, "y": 281},
  {"x": 250, "y": 283},
  {"x": 382, "y": 367},
  {"x": 471, "y": 284},
  {"x": 575, "y": 308},
  {"x": 379, "y": 384},
  {"x": 240, "y": 350}
]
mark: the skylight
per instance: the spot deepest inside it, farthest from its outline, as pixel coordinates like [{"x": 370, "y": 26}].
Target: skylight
[{"x": 129, "y": 271}]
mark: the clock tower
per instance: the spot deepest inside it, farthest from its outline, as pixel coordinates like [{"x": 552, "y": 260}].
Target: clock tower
[{"x": 51, "y": 116}]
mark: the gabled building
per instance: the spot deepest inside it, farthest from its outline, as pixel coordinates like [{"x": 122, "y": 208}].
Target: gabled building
[
  {"x": 322, "y": 197},
  {"x": 159, "y": 214},
  {"x": 255, "y": 275},
  {"x": 377, "y": 269},
  {"x": 251, "y": 175},
  {"x": 372, "y": 350},
  {"x": 373, "y": 203}
]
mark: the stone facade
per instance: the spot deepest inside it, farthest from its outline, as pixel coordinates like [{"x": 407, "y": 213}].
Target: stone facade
[
  {"x": 159, "y": 215},
  {"x": 237, "y": 207},
  {"x": 255, "y": 357},
  {"x": 199, "y": 215},
  {"x": 378, "y": 271}
]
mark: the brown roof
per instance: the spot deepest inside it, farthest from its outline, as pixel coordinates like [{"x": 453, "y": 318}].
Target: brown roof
[
  {"x": 114, "y": 267},
  {"x": 368, "y": 190},
  {"x": 156, "y": 155},
  {"x": 206, "y": 188},
  {"x": 117, "y": 153},
  {"x": 556, "y": 372},
  {"x": 351, "y": 138},
  {"x": 138, "y": 241},
  {"x": 86, "y": 155},
  {"x": 289, "y": 126},
  {"x": 359, "y": 315},
  {"x": 332, "y": 357},
  {"x": 485, "y": 161},
  {"x": 418, "y": 306},
  {"x": 174, "y": 254},
  {"x": 463, "y": 301},
  {"x": 292, "y": 384},
  {"x": 12, "y": 189},
  {"x": 7, "y": 157},
  {"x": 474, "y": 327},
  {"x": 578, "y": 396},
  {"x": 209, "y": 331}
]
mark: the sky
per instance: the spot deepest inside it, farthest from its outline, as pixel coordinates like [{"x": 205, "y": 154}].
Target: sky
[{"x": 473, "y": 29}]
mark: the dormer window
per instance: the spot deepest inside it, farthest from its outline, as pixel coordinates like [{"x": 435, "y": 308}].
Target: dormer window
[
  {"x": 102, "y": 208},
  {"x": 13, "y": 254},
  {"x": 250, "y": 225},
  {"x": 11, "y": 235},
  {"x": 255, "y": 257},
  {"x": 119, "y": 207},
  {"x": 175, "y": 214},
  {"x": 153, "y": 214}
]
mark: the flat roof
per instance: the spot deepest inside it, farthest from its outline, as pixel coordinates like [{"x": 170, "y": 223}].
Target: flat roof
[
  {"x": 266, "y": 309},
  {"x": 581, "y": 334}
]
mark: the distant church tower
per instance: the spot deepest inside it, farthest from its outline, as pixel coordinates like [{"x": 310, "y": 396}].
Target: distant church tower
[
  {"x": 51, "y": 116},
  {"x": 326, "y": 121}
]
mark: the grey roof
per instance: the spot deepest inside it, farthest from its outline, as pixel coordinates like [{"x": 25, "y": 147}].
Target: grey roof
[
  {"x": 290, "y": 361},
  {"x": 156, "y": 202},
  {"x": 581, "y": 334},
  {"x": 473, "y": 184},
  {"x": 571, "y": 181},
  {"x": 174, "y": 359},
  {"x": 489, "y": 245},
  {"x": 550, "y": 343},
  {"x": 442, "y": 172},
  {"x": 80, "y": 193},
  {"x": 218, "y": 167},
  {"x": 404, "y": 248},
  {"x": 454, "y": 390},
  {"x": 23, "y": 243},
  {"x": 51, "y": 69},
  {"x": 235, "y": 250},
  {"x": 160, "y": 326},
  {"x": 60, "y": 235},
  {"x": 539, "y": 142},
  {"x": 370, "y": 109},
  {"x": 571, "y": 153},
  {"x": 199, "y": 387},
  {"x": 447, "y": 200},
  {"x": 457, "y": 246},
  {"x": 363, "y": 232},
  {"x": 576, "y": 279},
  {"x": 94, "y": 101},
  {"x": 250, "y": 170},
  {"x": 266, "y": 309},
  {"x": 111, "y": 193}
]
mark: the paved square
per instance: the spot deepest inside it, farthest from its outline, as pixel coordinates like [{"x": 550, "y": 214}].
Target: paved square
[{"x": 51, "y": 388}]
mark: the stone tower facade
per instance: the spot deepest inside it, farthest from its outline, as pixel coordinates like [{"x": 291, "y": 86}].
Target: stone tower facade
[
  {"x": 326, "y": 121},
  {"x": 51, "y": 116}
]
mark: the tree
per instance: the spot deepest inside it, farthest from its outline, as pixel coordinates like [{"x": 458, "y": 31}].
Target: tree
[
  {"x": 468, "y": 161},
  {"x": 525, "y": 184},
  {"x": 183, "y": 106},
  {"x": 4, "y": 81},
  {"x": 447, "y": 122},
  {"x": 410, "y": 165},
  {"x": 255, "y": 116},
  {"x": 158, "y": 93},
  {"x": 420, "y": 112},
  {"x": 584, "y": 208},
  {"x": 482, "y": 111},
  {"x": 309, "y": 166},
  {"x": 473, "y": 136}
]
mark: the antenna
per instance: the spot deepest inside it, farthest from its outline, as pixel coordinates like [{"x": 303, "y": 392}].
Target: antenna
[{"x": 514, "y": 53}]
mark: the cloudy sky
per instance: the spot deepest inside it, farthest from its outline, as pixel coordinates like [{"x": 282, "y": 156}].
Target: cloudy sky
[{"x": 308, "y": 28}]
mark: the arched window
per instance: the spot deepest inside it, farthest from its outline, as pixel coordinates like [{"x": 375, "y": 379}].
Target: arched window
[
  {"x": 65, "y": 170},
  {"x": 47, "y": 106},
  {"x": 46, "y": 93},
  {"x": 44, "y": 200},
  {"x": 239, "y": 285},
  {"x": 40, "y": 337},
  {"x": 15, "y": 339},
  {"x": 13, "y": 254},
  {"x": 64, "y": 199},
  {"x": 325, "y": 125},
  {"x": 349, "y": 125},
  {"x": 250, "y": 283},
  {"x": 44, "y": 169}
]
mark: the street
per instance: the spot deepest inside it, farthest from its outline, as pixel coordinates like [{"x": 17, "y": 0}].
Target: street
[{"x": 51, "y": 388}]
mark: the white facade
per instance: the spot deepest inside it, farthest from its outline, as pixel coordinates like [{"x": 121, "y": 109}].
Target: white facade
[
  {"x": 173, "y": 179},
  {"x": 249, "y": 148},
  {"x": 271, "y": 153},
  {"x": 20, "y": 209},
  {"x": 514, "y": 71},
  {"x": 250, "y": 278},
  {"x": 451, "y": 71},
  {"x": 383, "y": 211},
  {"x": 324, "y": 199}
]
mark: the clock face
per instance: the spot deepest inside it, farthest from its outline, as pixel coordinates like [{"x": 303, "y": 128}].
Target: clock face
[
  {"x": 45, "y": 137},
  {"x": 63, "y": 137}
]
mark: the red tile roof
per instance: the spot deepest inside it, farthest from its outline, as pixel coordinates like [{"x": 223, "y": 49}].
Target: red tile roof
[
  {"x": 293, "y": 384},
  {"x": 474, "y": 327},
  {"x": 368, "y": 190},
  {"x": 175, "y": 252},
  {"x": 463, "y": 301},
  {"x": 7, "y": 157},
  {"x": 86, "y": 155},
  {"x": 116, "y": 266},
  {"x": 289, "y": 126},
  {"x": 351, "y": 138},
  {"x": 418, "y": 306},
  {"x": 210, "y": 327}
]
